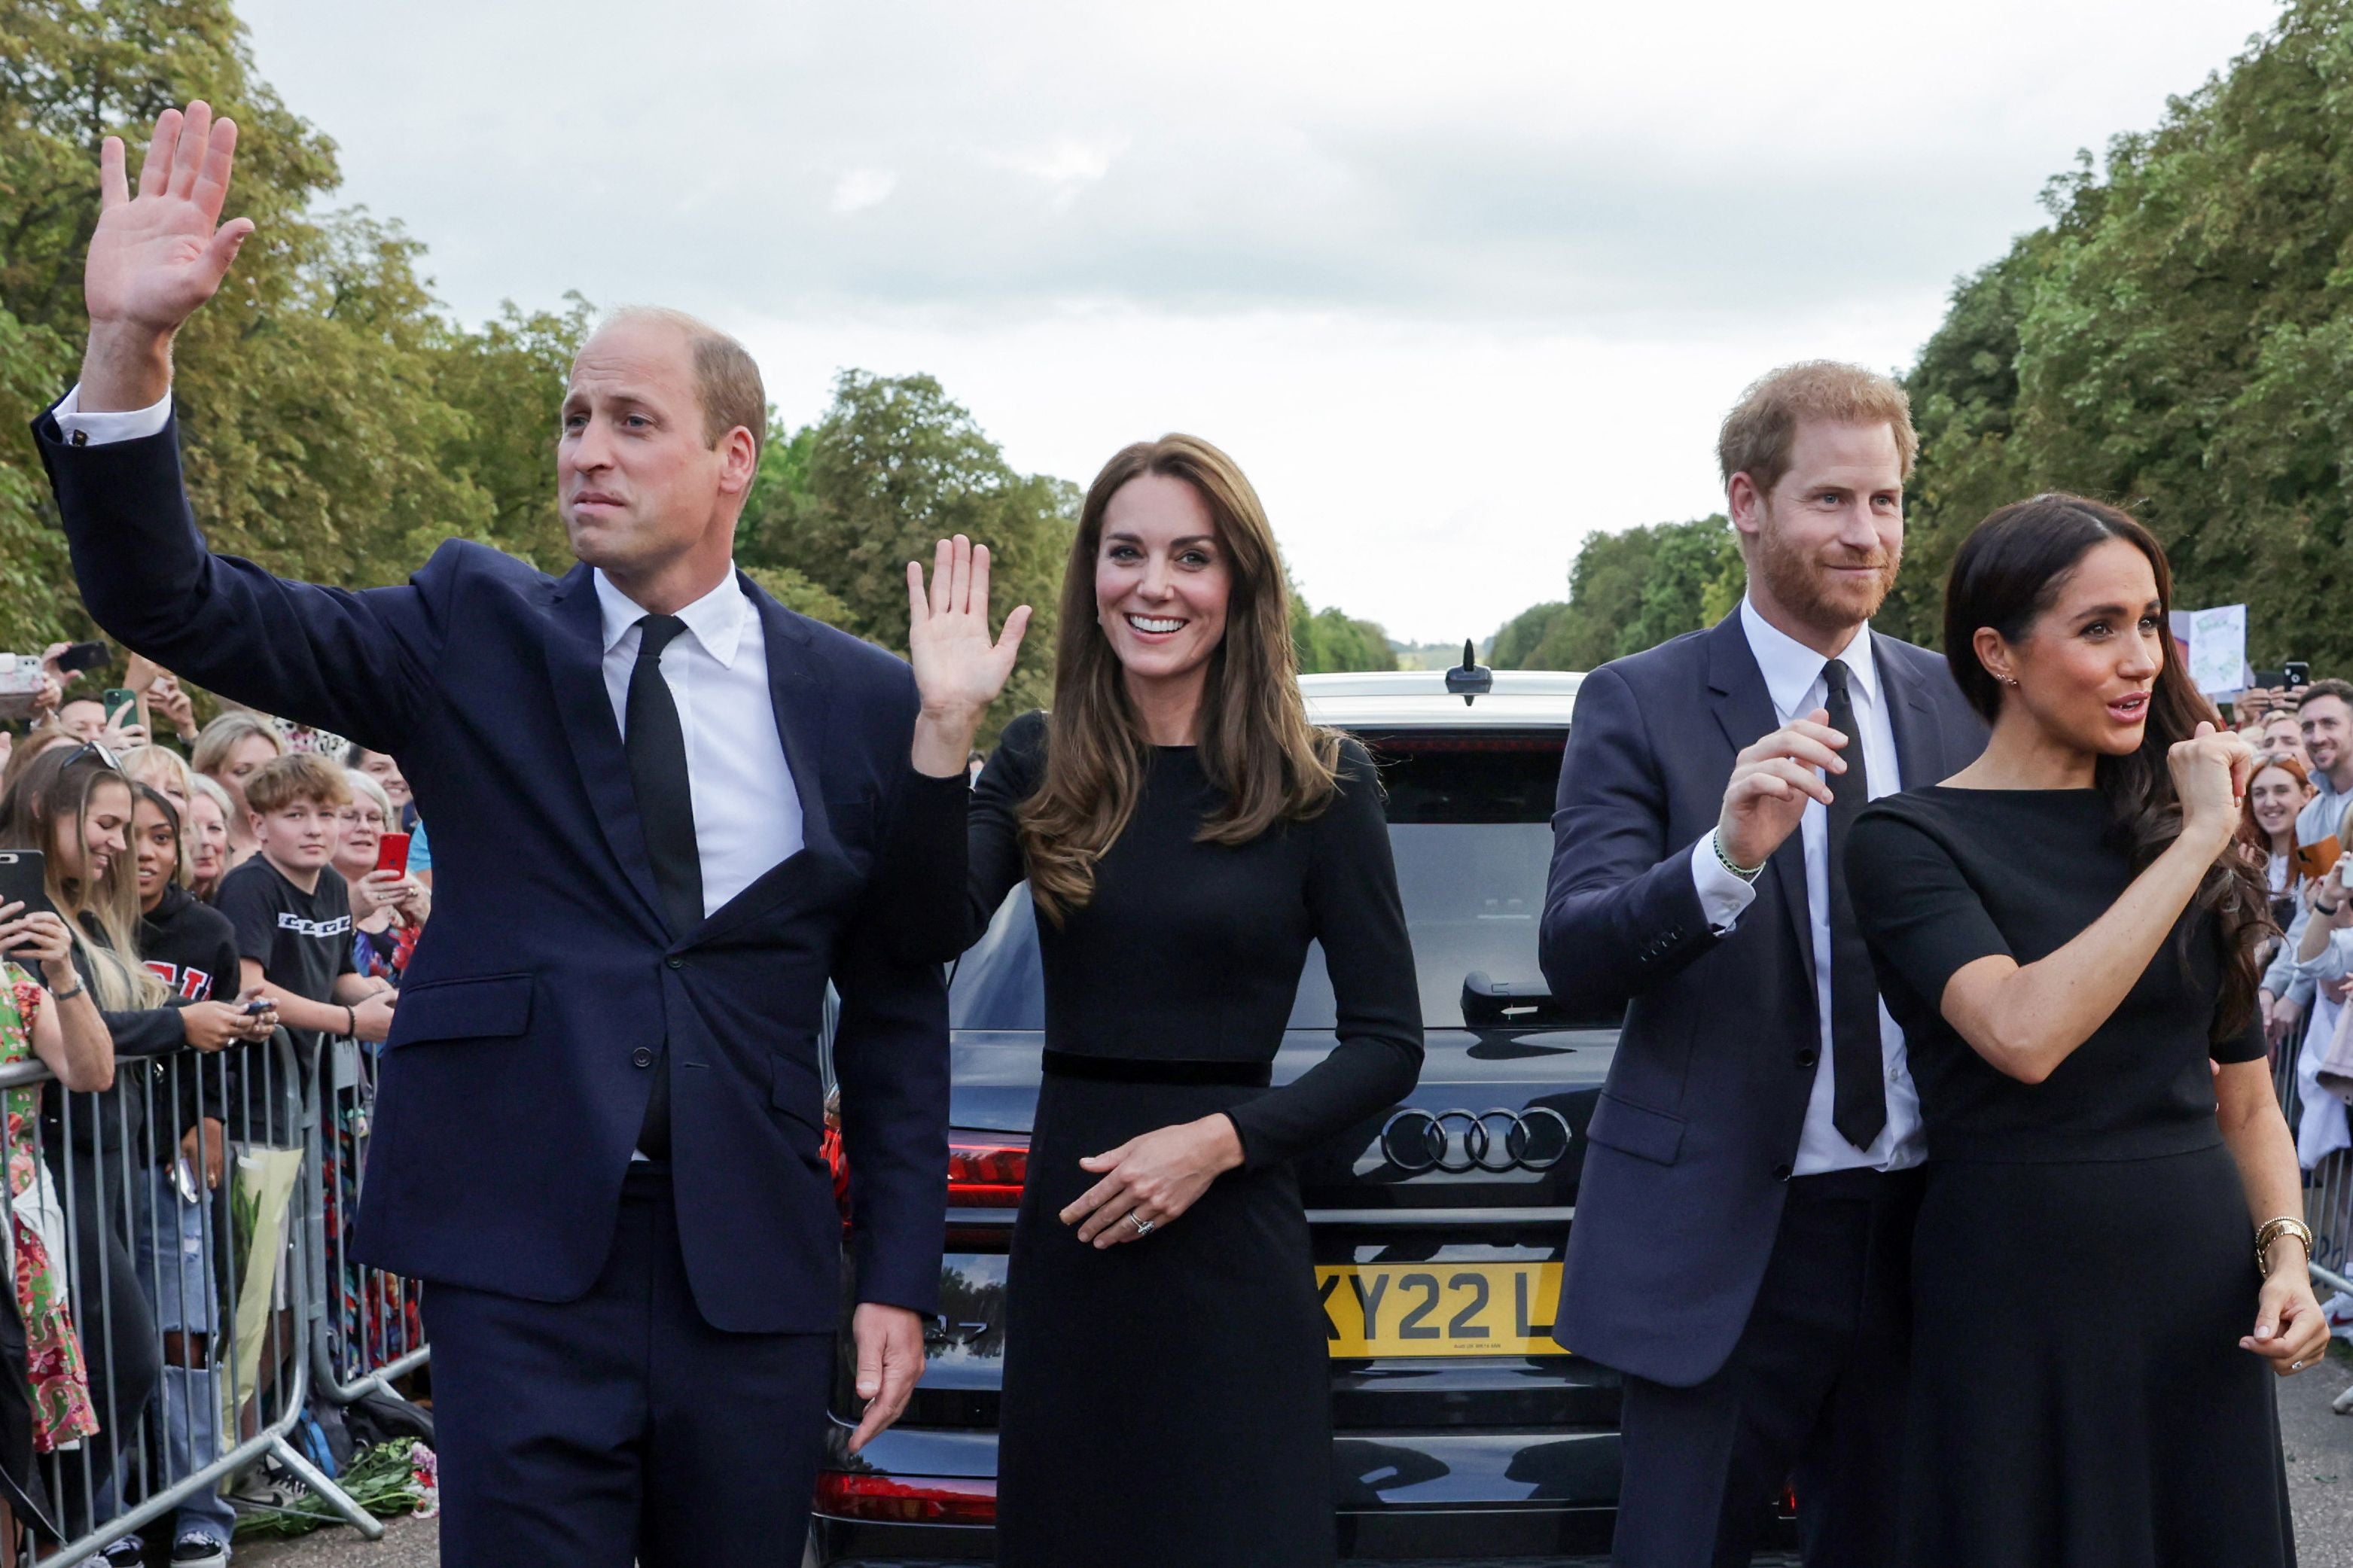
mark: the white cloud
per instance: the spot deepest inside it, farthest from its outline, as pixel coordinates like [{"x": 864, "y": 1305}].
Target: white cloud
[
  {"x": 861, "y": 188},
  {"x": 1458, "y": 283}
]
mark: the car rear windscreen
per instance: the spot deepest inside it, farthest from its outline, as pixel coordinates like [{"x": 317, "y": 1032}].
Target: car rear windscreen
[{"x": 1470, "y": 823}]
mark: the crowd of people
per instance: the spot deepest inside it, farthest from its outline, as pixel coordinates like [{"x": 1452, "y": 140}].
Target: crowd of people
[
  {"x": 2299, "y": 815},
  {"x": 207, "y": 885}
]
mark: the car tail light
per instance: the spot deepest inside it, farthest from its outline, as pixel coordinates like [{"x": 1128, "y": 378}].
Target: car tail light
[
  {"x": 983, "y": 1173},
  {"x": 907, "y": 1500},
  {"x": 986, "y": 1172}
]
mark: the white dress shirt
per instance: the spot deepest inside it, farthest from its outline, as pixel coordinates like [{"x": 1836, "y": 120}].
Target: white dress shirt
[
  {"x": 747, "y": 815},
  {"x": 1793, "y": 676}
]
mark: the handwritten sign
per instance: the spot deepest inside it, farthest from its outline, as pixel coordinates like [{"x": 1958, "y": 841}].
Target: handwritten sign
[{"x": 2218, "y": 649}]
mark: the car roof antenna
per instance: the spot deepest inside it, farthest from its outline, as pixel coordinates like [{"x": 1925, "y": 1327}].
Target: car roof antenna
[{"x": 1473, "y": 679}]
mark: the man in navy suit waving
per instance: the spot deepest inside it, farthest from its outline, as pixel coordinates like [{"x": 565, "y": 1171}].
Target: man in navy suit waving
[
  {"x": 1744, "y": 1218},
  {"x": 667, "y": 810}
]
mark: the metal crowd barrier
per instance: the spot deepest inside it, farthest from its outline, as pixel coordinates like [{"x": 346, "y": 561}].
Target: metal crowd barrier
[
  {"x": 179, "y": 1332},
  {"x": 374, "y": 1331},
  {"x": 2327, "y": 1181}
]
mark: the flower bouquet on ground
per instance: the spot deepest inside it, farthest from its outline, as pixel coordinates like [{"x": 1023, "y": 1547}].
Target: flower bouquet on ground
[{"x": 388, "y": 1479}]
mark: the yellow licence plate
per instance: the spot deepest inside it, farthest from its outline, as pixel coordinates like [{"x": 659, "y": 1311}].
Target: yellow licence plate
[{"x": 1440, "y": 1308}]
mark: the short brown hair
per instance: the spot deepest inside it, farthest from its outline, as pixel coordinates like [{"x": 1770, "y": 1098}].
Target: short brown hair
[
  {"x": 1763, "y": 426},
  {"x": 2340, "y": 689},
  {"x": 298, "y": 777},
  {"x": 727, "y": 377}
]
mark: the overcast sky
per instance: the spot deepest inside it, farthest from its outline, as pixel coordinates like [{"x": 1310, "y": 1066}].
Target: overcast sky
[{"x": 1456, "y": 284}]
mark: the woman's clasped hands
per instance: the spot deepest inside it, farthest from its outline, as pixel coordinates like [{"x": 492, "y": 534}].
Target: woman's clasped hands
[{"x": 1152, "y": 1180}]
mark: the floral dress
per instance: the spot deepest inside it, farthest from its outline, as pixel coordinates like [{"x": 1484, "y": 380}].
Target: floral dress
[{"x": 60, "y": 1381}]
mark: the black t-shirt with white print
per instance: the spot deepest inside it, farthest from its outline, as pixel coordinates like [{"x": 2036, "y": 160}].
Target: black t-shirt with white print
[{"x": 302, "y": 941}]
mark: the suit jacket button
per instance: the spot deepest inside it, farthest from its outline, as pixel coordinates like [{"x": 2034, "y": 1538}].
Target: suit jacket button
[
  {"x": 642, "y": 1057},
  {"x": 1808, "y": 1056},
  {"x": 678, "y": 963},
  {"x": 1781, "y": 1173}
]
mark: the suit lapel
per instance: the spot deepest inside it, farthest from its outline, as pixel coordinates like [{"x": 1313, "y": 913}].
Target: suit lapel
[
  {"x": 1911, "y": 719},
  {"x": 576, "y": 664},
  {"x": 800, "y": 703},
  {"x": 1744, "y": 707}
]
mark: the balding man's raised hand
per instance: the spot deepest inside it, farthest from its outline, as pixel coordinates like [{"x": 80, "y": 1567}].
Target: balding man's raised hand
[{"x": 157, "y": 256}]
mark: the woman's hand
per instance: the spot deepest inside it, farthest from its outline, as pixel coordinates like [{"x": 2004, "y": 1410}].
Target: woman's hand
[
  {"x": 41, "y": 937},
  {"x": 1155, "y": 1178},
  {"x": 397, "y": 890},
  {"x": 2290, "y": 1332},
  {"x": 214, "y": 1162},
  {"x": 2210, "y": 778},
  {"x": 213, "y": 1026},
  {"x": 959, "y": 669}
]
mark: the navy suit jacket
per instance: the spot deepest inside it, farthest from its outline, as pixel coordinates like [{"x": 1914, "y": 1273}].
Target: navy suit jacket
[
  {"x": 1694, "y": 1133},
  {"x": 513, "y": 1087}
]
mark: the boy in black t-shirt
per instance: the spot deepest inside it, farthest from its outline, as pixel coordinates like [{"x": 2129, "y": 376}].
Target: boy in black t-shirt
[{"x": 292, "y": 911}]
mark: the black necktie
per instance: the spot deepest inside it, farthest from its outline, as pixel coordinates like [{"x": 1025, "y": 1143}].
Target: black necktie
[
  {"x": 1859, "y": 1104},
  {"x": 655, "y": 744}
]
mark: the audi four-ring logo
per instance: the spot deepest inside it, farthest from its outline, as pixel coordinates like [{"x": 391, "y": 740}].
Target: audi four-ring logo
[{"x": 1494, "y": 1141}]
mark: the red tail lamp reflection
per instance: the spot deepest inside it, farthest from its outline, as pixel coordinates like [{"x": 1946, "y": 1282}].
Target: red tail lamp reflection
[{"x": 907, "y": 1500}]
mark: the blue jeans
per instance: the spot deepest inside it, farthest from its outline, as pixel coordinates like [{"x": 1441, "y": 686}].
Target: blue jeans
[{"x": 168, "y": 1244}]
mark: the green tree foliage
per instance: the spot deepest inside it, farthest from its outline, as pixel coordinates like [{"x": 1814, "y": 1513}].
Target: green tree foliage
[
  {"x": 1628, "y": 591},
  {"x": 335, "y": 427},
  {"x": 1328, "y": 640},
  {"x": 2177, "y": 340},
  {"x": 895, "y": 464}
]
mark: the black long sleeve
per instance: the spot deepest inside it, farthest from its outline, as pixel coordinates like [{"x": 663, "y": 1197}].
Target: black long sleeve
[
  {"x": 993, "y": 841},
  {"x": 1352, "y": 899},
  {"x": 1190, "y": 950}
]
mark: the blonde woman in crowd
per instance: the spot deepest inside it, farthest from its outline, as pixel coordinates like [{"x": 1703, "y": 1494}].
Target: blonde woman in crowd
[
  {"x": 162, "y": 770},
  {"x": 388, "y": 908},
  {"x": 228, "y": 751},
  {"x": 210, "y": 811}
]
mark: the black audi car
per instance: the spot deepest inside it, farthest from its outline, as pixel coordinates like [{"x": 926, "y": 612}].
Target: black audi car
[{"x": 1463, "y": 1432}]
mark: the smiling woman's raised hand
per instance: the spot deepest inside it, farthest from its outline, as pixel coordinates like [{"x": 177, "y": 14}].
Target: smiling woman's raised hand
[
  {"x": 959, "y": 667},
  {"x": 158, "y": 255}
]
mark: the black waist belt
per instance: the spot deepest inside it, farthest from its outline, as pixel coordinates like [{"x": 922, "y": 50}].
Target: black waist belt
[{"x": 1131, "y": 1069}]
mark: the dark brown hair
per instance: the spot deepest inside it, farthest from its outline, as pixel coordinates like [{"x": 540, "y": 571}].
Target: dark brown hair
[
  {"x": 1256, "y": 745},
  {"x": 2008, "y": 572}
]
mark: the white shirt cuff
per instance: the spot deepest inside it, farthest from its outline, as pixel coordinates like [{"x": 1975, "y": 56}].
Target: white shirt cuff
[
  {"x": 103, "y": 429},
  {"x": 1722, "y": 897}
]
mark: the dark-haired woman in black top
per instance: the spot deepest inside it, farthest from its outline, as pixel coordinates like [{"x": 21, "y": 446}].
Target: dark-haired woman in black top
[
  {"x": 2110, "y": 1254},
  {"x": 1185, "y": 834}
]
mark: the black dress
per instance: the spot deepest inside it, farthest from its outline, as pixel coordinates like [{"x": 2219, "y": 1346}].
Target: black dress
[
  {"x": 1168, "y": 1400},
  {"x": 2085, "y": 1264}
]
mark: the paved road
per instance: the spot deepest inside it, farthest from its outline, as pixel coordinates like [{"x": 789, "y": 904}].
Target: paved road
[
  {"x": 406, "y": 1543},
  {"x": 2319, "y": 1445}
]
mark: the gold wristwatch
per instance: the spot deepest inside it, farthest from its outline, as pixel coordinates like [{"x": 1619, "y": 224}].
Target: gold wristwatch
[{"x": 2273, "y": 1229}]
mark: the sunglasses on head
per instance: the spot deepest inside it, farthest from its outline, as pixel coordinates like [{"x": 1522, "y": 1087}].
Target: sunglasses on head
[{"x": 92, "y": 748}]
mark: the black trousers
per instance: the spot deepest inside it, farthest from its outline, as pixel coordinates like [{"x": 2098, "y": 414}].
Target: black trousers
[
  {"x": 1813, "y": 1393},
  {"x": 620, "y": 1428}
]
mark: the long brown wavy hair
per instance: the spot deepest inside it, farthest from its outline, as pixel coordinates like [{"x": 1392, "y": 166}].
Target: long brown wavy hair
[
  {"x": 1256, "y": 745},
  {"x": 2007, "y": 571}
]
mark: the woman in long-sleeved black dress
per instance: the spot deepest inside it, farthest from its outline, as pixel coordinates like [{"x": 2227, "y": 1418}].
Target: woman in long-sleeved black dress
[
  {"x": 2110, "y": 1254},
  {"x": 1185, "y": 835}
]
